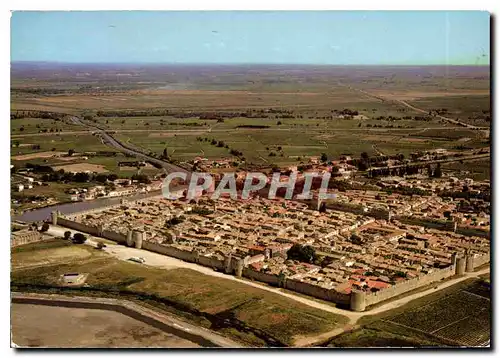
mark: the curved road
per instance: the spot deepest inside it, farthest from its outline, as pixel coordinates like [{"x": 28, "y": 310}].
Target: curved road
[{"x": 110, "y": 140}]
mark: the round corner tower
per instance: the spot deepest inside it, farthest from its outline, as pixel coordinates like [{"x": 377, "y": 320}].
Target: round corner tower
[{"x": 358, "y": 301}]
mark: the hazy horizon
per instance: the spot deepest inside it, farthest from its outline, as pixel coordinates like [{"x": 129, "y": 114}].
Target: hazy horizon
[
  {"x": 194, "y": 64},
  {"x": 343, "y": 38}
]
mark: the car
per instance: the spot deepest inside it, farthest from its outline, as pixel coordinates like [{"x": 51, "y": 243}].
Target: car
[{"x": 139, "y": 260}]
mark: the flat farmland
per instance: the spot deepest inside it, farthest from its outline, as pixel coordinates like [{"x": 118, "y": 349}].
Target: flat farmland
[
  {"x": 196, "y": 99},
  {"x": 470, "y": 331},
  {"x": 295, "y": 111},
  {"x": 470, "y": 109},
  {"x": 81, "y": 167},
  {"x": 57, "y": 142},
  {"x": 289, "y": 144},
  {"x": 463, "y": 317},
  {"x": 110, "y": 164},
  {"x": 436, "y": 315},
  {"x": 39, "y": 125},
  {"x": 459, "y": 315},
  {"x": 313, "y": 122},
  {"x": 154, "y": 123}
]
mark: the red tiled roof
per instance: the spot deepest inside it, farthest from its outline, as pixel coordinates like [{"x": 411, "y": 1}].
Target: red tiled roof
[
  {"x": 377, "y": 284},
  {"x": 256, "y": 266}
]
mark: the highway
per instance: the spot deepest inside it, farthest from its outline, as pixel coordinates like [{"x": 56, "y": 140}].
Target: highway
[{"x": 127, "y": 149}]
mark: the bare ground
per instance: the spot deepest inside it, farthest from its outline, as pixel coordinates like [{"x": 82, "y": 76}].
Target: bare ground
[
  {"x": 38, "y": 155},
  {"x": 80, "y": 327},
  {"x": 82, "y": 167}
]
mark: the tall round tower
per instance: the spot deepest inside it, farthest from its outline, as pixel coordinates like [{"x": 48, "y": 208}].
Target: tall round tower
[
  {"x": 358, "y": 301},
  {"x": 53, "y": 215},
  {"x": 460, "y": 266},
  {"x": 130, "y": 240},
  {"x": 469, "y": 265},
  {"x": 137, "y": 238}
]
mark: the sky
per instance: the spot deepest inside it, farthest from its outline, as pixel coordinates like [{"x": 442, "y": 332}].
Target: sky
[{"x": 232, "y": 37}]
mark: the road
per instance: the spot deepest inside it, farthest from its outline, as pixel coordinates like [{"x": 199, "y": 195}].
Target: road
[
  {"x": 167, "y": 262},
  {"x": 113, "y": 142},
  {"x": 420, "y": 110},
  {"x": 163, "y": 261}
]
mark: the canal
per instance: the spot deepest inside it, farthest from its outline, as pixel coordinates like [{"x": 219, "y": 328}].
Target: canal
[{"x": 70, "y": 208}]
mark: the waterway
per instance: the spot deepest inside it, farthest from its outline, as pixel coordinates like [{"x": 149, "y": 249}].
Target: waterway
[{"x": 71, "y": 208}]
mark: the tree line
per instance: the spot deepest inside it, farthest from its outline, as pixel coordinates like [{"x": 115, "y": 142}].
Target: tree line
[{"x": 19, "y": 114}]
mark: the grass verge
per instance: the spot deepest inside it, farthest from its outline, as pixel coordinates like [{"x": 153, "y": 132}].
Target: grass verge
[{"x": 248, "y": 314}]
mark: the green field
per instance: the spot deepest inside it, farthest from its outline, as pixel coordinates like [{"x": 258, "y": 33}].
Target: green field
[
  {"x": 293, "y": 145},
  {"x": 477, "y": 169},
  {"x": 22, "y": 126},
  {"x": 299, "y": 109},
  {"x": 381, "y": 334},
  {"x": 57, "y": 142},
  {"x": 470, "y": 109}
]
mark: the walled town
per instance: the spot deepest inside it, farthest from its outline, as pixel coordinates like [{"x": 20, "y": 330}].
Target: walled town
[{"x": 362, "y": 247}]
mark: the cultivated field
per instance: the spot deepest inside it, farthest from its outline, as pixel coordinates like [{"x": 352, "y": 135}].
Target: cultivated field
[
  {"x": 297, "y": 109},
  {"x": 462, "y": 317},
  {"x": 459, "y": 315}
]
